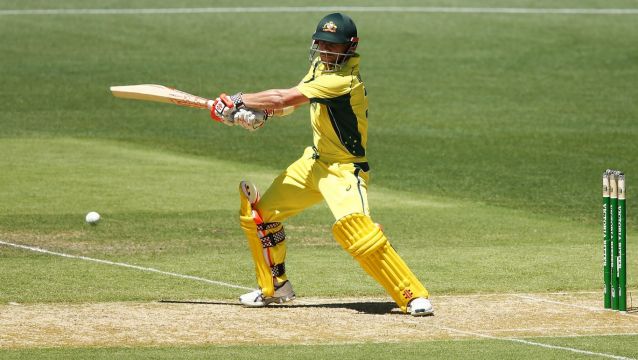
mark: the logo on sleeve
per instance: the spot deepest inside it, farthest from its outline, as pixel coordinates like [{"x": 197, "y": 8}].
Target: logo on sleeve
[{"x": 329, "y": 27}]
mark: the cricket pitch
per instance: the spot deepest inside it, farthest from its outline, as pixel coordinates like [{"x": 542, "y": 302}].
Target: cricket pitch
[{"x": 308, "y": 321}]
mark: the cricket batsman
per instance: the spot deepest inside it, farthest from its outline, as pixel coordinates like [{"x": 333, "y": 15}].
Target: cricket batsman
[{"x": 334, "y": 169}]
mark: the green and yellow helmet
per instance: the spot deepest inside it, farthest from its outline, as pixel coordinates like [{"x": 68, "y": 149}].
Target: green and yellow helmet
[{"x": 335, "y": 28}]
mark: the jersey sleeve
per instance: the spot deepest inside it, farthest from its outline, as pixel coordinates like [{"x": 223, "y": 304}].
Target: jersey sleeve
[{"x": 326, "y": 86}]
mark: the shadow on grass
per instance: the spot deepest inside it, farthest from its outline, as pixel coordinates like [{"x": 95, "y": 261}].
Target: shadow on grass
[{"x": 370, "y": 307}]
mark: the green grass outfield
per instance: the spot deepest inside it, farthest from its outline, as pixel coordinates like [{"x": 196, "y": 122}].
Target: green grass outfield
[
  {"x": 489, "y": 349},
  {"x": 488, "y": 137}
]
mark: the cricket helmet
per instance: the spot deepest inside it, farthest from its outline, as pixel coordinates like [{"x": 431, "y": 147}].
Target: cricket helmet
[{"x": 335, "y": 28}]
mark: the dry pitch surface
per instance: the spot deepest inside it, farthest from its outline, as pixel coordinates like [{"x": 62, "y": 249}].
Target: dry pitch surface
[{"x": 308, "y": 321}]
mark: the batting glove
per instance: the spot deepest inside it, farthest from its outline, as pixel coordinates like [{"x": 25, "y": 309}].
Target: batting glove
[
  {"x": 251, "y": 120},
  {"x": 224, "y": 107}
]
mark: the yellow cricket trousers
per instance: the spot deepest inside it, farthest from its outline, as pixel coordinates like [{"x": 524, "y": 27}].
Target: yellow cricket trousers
[{"x": 309, "y": 180}]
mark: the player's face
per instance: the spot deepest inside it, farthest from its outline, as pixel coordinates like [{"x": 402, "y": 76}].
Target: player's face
[{"x": 329, "y": 52}]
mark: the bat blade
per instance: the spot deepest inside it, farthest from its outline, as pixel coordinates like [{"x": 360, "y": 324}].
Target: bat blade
[{"x": 160, "y": 93}]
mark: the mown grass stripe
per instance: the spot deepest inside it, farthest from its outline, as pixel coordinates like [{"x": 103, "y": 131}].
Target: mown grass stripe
[{"x": 306, "y": 9}]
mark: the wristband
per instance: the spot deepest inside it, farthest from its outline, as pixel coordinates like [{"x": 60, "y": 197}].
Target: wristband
[{"x": 238, "y": 101}]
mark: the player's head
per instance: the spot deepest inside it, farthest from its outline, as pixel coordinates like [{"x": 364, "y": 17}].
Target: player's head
[{"x": 335, "y": 40}]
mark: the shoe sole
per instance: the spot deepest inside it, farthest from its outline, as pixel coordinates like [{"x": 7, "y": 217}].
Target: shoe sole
[
  {"x": 278, "y": 300},
  {"x": 422, "y": 313}
]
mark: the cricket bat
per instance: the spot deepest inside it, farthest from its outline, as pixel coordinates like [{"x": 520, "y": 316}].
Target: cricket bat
[
  {"x": 164, "y": 94},
  {"x": 160, "y": 93}
]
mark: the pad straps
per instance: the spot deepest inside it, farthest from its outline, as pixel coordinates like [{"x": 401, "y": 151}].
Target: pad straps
[{"x": 271, "y": 239}]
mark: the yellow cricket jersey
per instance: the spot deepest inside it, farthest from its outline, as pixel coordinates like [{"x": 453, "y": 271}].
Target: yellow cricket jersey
[{"x": 338, "y": 111}]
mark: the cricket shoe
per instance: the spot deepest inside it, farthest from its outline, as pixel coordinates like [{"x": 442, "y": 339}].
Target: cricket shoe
[
  {"x": 420, "y": 307},
  {"x": 283, "y": 293}
]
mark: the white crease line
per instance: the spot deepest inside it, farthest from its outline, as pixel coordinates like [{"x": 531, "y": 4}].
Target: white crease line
[
  {"x": 147, "y": 269},
  {"x": 517, "y": 294},
  {"x": 532, "y": 343},
  {"x": 581, "y": 335},
  {"x": 306, "y": 9},
  {"x": 554, "y": 328},
  {"x": 539, "y": 299}
]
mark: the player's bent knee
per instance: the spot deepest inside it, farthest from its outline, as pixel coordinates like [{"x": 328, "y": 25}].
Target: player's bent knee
[
  {"x": 359, "y": 235},
  {"x": 365, "y": 241}
]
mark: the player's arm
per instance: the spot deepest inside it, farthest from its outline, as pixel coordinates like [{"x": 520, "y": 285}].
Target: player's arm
[
  {"x": 253, "y": 109},
  {"x": 281, "y": 101},
  {"x": 278, "y": 102}
]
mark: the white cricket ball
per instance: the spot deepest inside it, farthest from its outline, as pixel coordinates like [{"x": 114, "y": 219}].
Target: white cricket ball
[{"x": 92, "y": 218}]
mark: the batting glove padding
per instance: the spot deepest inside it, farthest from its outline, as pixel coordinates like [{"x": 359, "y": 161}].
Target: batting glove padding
[
  {"x": 250, "y": 120},
  {"x": 224, "y": 107}
]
